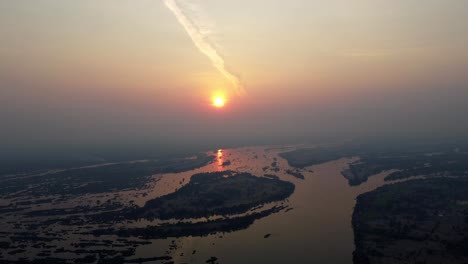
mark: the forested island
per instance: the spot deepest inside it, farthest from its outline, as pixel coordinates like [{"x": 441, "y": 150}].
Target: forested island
[
  {"x": 217, "y": 193},
  {"x": 224, "y": 193}
]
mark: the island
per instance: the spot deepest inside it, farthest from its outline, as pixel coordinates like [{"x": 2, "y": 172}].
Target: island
[
  {"x": 237, "y": 197},
  {"x": 216, "y": 193}
]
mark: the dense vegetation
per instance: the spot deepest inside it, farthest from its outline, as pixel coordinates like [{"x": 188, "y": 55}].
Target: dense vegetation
[
  {"x": 416, "y": 221},
  {"x": 217, "y": 193}
]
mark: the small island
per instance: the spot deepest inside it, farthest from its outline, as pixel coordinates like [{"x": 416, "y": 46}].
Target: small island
[{"x": 296, "y": 173}]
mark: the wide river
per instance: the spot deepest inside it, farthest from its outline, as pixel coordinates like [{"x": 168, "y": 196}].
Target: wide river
[{"x": 317, "y": 230}]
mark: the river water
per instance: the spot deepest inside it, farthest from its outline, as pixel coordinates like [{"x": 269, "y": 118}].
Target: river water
[{"x": 317, "y": 230}]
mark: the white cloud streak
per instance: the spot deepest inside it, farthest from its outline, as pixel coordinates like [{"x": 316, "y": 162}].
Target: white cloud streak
[{"x": 199, "y": 35}]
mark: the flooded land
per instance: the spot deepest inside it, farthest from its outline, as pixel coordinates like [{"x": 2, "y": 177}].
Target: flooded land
[{"x": 268, "y": 204}]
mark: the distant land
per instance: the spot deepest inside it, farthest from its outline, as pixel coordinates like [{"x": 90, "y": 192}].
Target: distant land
[{"x": 405, "y": 162}]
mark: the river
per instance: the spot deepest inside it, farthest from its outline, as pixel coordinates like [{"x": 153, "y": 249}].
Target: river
[{"x": 317, "y": 230}]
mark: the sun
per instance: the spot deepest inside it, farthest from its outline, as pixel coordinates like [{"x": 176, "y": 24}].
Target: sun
[{"x": 218, "y": 101}]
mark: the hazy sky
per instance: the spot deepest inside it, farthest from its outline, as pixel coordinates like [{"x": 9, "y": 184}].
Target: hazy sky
[{"x": 126, "y": 72}]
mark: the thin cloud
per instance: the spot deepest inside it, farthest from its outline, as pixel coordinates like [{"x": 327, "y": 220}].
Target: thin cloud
[{"x": 199, "y": 34}]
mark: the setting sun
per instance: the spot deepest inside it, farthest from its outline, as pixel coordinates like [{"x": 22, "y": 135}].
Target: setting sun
[{"x": 218, "y": 101}]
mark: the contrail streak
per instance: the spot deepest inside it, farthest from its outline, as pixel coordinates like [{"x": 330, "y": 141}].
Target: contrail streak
[{"x": 198, "y": 36}]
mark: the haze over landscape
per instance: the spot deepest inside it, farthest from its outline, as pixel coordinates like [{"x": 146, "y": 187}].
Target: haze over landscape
[
  {"x": 87, "y": 73},
  {"x": 116, "y": 113}
]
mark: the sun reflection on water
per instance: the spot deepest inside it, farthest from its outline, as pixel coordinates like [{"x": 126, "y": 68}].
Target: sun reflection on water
[{"x": 220, "y": 159}]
